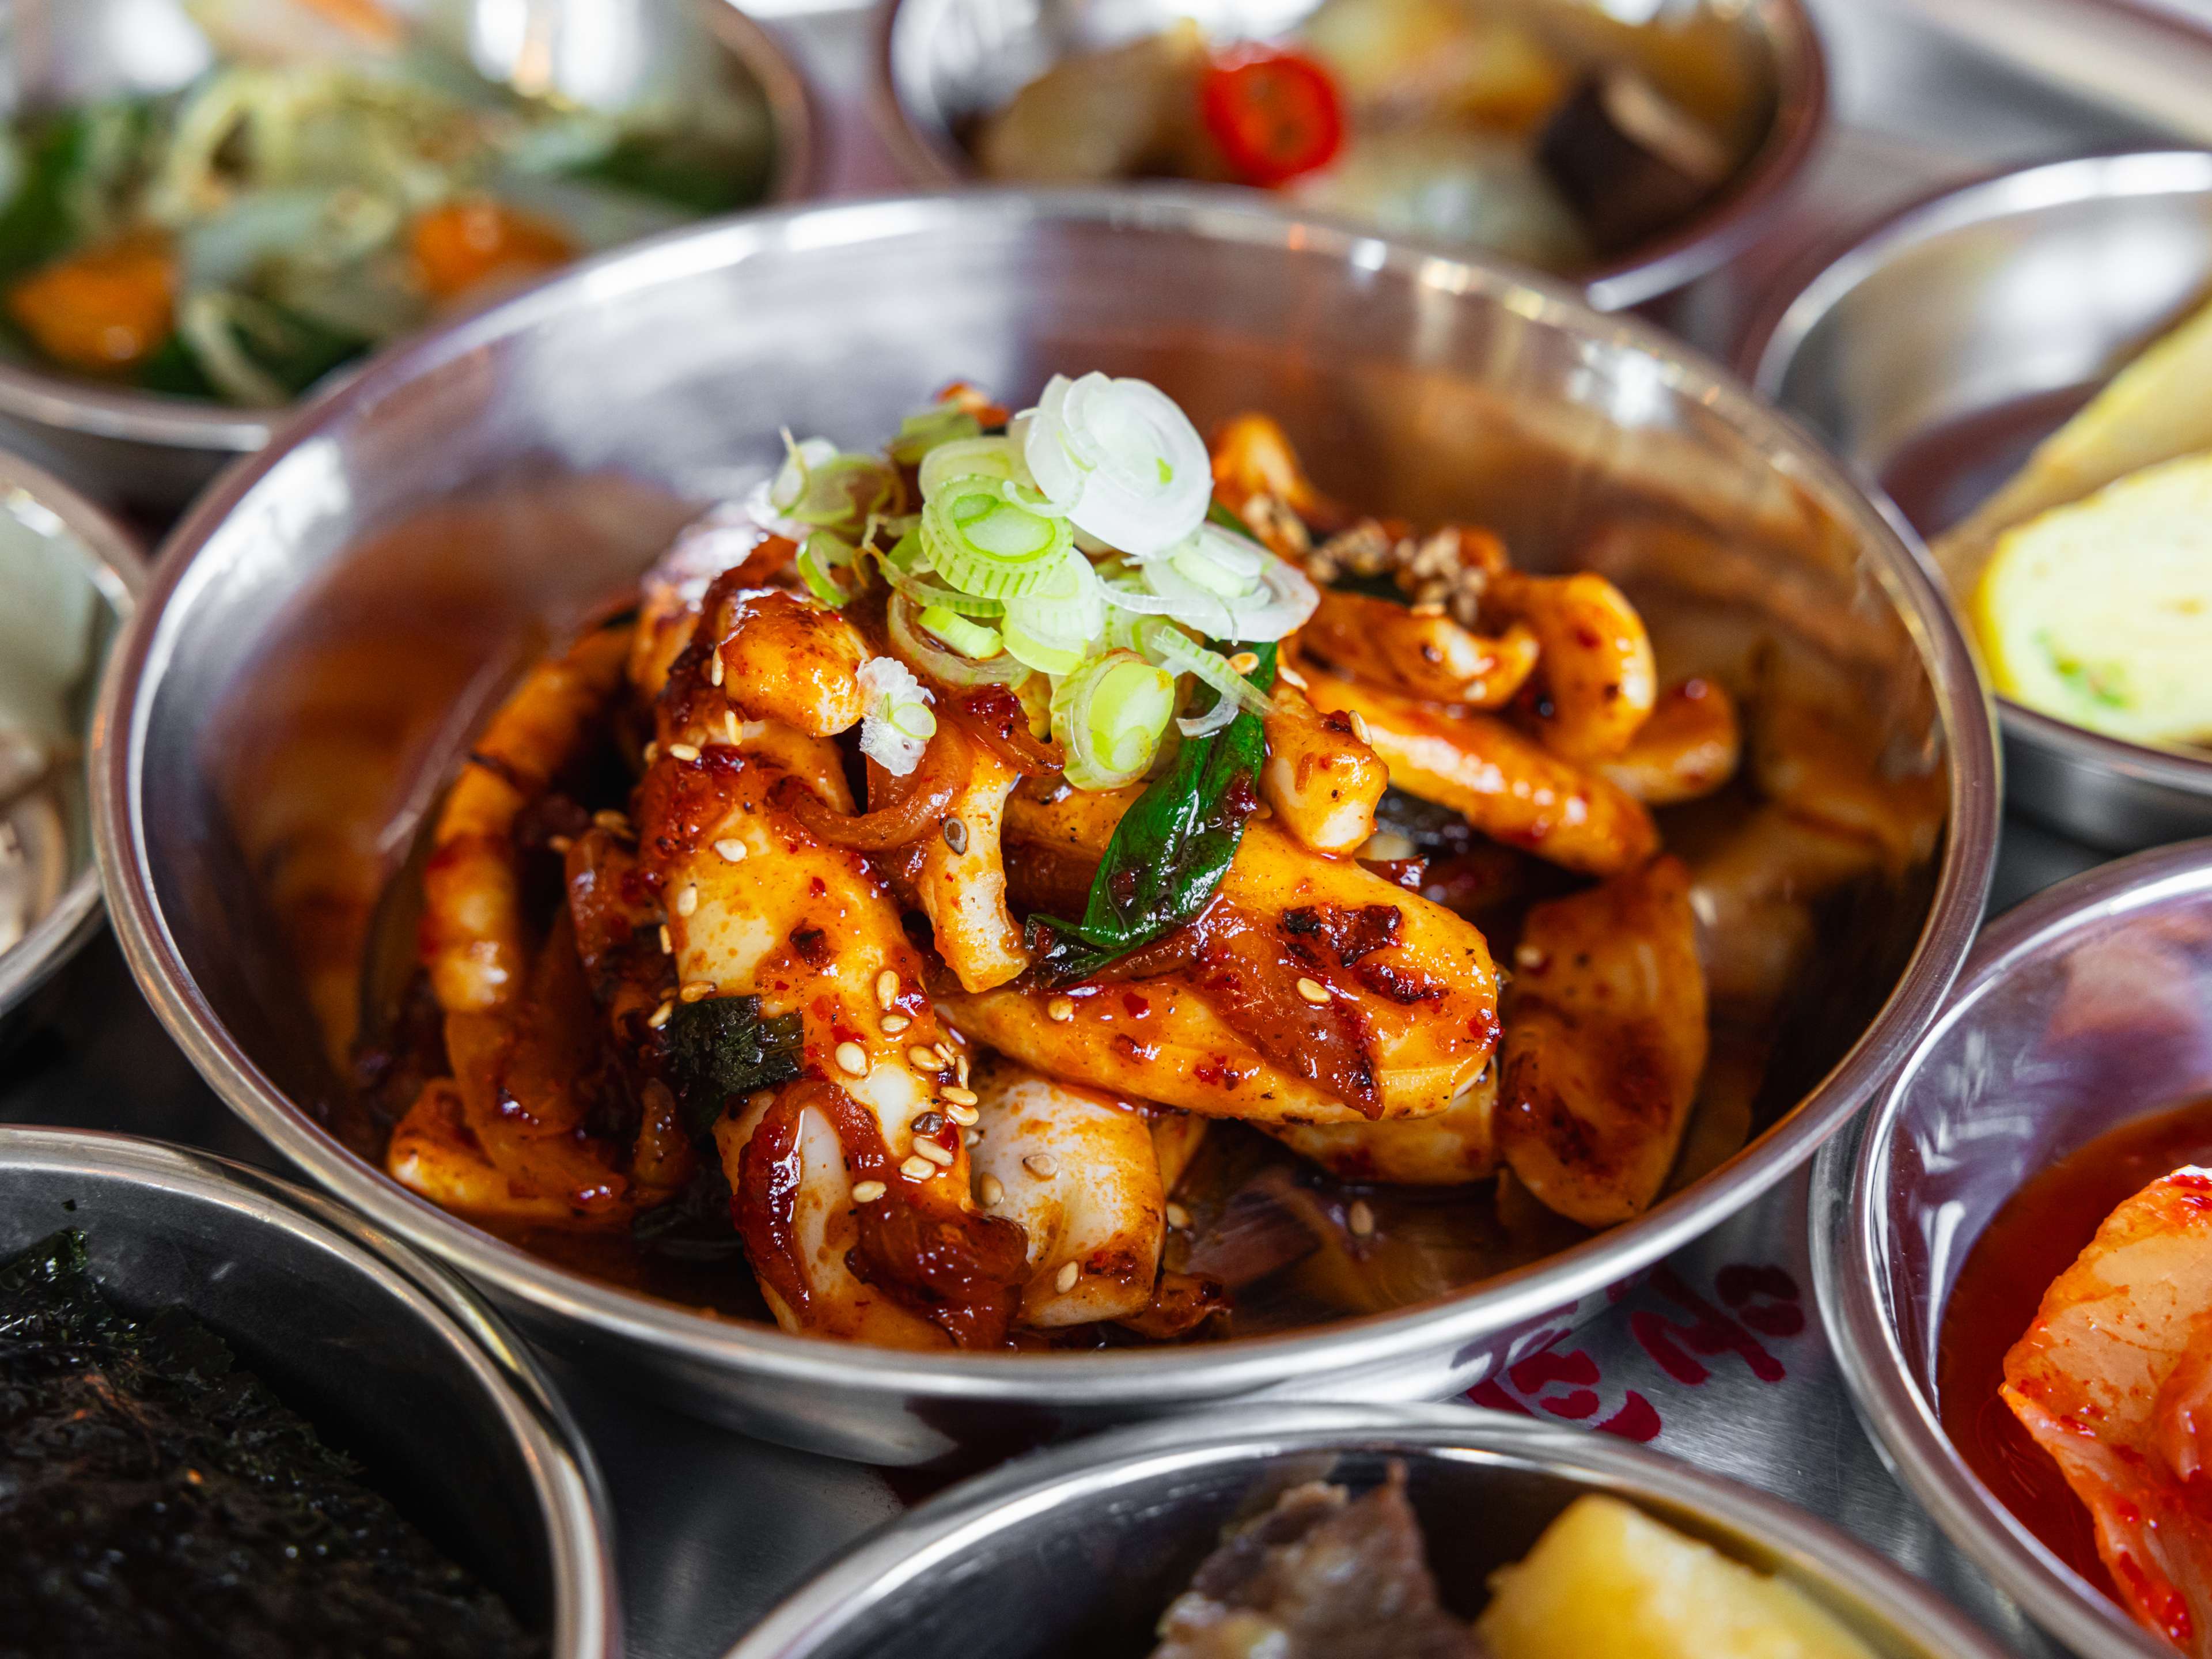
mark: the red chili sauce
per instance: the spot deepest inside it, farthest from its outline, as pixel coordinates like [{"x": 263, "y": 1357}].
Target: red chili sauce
[{"x": 2034, "y": 1239}]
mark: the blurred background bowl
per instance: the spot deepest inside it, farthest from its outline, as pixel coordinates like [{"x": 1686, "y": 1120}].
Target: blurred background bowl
[
  {"x": 1935, "y": 351},
  {"x": 68, "y": 577},
  {"x": 335, "y": 619},
  {"x": 153, "y": 453},
  {"x": 393, "y": 1361},
  {"x": 2080, "y": 1010},
  {"x": 942, "y": 64},
  {"x": 1080, "y": 1552}
]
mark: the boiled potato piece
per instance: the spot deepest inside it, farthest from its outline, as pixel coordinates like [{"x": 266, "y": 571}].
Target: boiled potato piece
[
  {"x": 1607, "y": 1582},
  {"x": 2100, "y": 613}
]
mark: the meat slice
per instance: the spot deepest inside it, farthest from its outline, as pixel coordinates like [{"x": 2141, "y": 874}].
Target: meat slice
[{"x": 1320, "y": 1576}]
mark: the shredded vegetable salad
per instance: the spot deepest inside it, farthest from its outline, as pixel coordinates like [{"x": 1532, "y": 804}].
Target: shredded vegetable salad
[{"x": 320, "y": 190}]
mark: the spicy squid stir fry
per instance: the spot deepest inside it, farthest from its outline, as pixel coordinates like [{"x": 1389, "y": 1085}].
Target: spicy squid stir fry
[{"x": 1048, "y": 883}]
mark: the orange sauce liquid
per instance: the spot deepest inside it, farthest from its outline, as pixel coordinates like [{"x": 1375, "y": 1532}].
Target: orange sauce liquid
[{"x": 2034, "y": 1239}]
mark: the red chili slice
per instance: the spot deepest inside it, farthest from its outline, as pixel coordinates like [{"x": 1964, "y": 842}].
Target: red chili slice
[{"x": 1274, "y": 113}]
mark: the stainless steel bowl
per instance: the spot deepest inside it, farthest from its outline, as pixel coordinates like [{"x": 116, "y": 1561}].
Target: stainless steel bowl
[
  {"x": 569, "y": 429},
  {"x": 1078, "y": 1551},
  {"x": 2086, "y": 1006},
  {"x": 2025, "y": 287},
  {"x": 74, "y": 542},
  {"x": 153, "y": 453},
  {"x": 386, "y": 1354},
  {"x": 942, "y": 64}
]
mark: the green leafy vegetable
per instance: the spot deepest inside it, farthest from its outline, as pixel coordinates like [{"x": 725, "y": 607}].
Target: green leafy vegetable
[
  {"x": 1170, "y": 850},
  {"x": 697, "y": 173},
  {"x": 722, "y": 1048}
]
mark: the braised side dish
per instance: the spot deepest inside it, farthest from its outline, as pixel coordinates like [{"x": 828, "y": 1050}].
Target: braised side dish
[
  {"x": 1543, "y": 129},
  {"x": 156, "y": 1499},
  {"x": 335, "y": 177},
  {"x": 1323, "y": 1575},
  {"x": 1045, "y": 883}
]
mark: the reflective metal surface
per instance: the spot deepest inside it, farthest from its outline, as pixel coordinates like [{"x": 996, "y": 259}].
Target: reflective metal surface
[
  {"x": 388, "y": 1355},
  {"x": 42, "y": 520},
  {"x": 2025, "y": 286},
  {"x": 516, "y": 472},
  {"x": 2086, "y": 1006},
  {"x": 153, "y": 453},
  {"x": 1080, "y": 1551},
  {"x": 942, "y": 63}
]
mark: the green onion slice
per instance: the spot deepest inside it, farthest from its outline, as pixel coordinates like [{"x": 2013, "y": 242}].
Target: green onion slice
[
  {"x": 986, "y": 537},
  {"x": 1109, "y": 716}
]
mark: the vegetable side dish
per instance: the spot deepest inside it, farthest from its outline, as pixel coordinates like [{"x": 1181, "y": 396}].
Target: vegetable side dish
[
  {"x": 1542, "y": 129},
  {"x": 2075, "y": 1352},
  {"x": 1323, "y": 1575},
  {"x": 50, "y": 620},
  {"x": 1044, "y": 883},
  {"x": 156, "y": 1499},
  {"x": 335, "y": 179},
  {"x": 2088, "y": 577}
]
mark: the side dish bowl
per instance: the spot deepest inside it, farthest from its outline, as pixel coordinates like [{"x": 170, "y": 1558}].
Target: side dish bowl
[
  {"x": 1950, "y": 337},
  {"x": 55, "y": 548},
  {"x": 942, "y": 63},
  {"x": 1080, "y": 1551},
  {"x": 155, "y": 452},
  {"x": 2078, "y": 1011},
  {"x": 421, "y": 532},
  {"x": 394, "y": 1363}
]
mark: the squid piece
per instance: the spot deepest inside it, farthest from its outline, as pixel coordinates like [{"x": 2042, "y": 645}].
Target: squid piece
[
  {"x": 788, "y": 662},
  {"x": 1754, "y": 894},
  {"x": 1605, "y": 1040},
  {"x": 1690, "y": 747},
  {"x": 472, "y": 933},
  {"x": 2112, "y": 1380},
  {"x": 1508, "y": 788},
  {"x": 962, "y": 884},
  {"x": 759, "y": 909},
  {"x": 1816, "y": 760},
  {"x": 1176, "y": 1137},
  {"x": 1457, "y": 1146},
  {"x": 1419, "y": 650},
  {"x": 1322, "y": 780},
  {"x": 1252, "y": 456},
  {"x": 1076, "y": 1171},
  {"x": 1597, "y": 670}
]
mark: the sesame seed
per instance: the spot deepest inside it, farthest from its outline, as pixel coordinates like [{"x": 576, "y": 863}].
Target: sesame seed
[
  {"x": 1042, "y": 1165},
  {"x": 960, "y": 1068},
  {"x": 990, "y": 1189},
  {"x": 1061, "y": 1009},
  {"x": 1431, "y": 609},
  {"x": 1313, "y": 991},
  {"x": 970, "y": 1137},
  {"x": 559, "y": 843},
  {"x": 684, "y": 752},
  {"x": 925, "y": 1060},
  {"x": 917, "y": 1168},
  {"x": 1529, "y": 955},
  {"x": 1177, "y": 1215},
  {"x": 1359, "y": 727},
  {"x": 732, "y": 733},
  {"x": 1361, "y": 1218},
  {"x": 1063, "y": 1281},
  {"x": 733, "y": 851},
  {"x": 936, "y": 1153},
  {"x": 696, "y": 990},
  {"x": 894, "y": 1023},
  {"x": 614, "y": 823},
  {"x": 658, "y": 1017},
  {"x": 652, "y": 752},
  {"x": 867, "y": 1192},
  {"x": 688, "y": 900},
  {"x": 1245, "y": 661},
  {"x": 887, "y": 989},
  {"x": 956, "y": 834},
  {"x": 1284, "y": 671},
  {"x": 943, "y": 1055},
  {"x": 958, "y": 1096},
  {"x": 667, "y": 945},
  {"x": 714, "y": 669},
  {"x": 852, "y": 1057},
  {"x": 964, "y": 1116}
]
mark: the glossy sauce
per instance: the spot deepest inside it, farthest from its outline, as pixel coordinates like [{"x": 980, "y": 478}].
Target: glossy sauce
[{"x": 2034, "y": 1239}]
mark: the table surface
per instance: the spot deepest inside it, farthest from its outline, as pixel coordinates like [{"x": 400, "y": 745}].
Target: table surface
[{"x": 1718, "y": 1358}]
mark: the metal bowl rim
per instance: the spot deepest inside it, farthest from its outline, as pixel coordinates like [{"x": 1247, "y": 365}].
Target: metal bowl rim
[
  {"x": 1847, "y": 1233},
  {"x": 1716, "y": 233},
  {"x": 1816, "y": 282},
  {"x": 930, "y": 1537},
  {"x": 119, "y": 574},
  {"x": 1552, "y": 1285},
  {"x": 87, "y": 408},
  {"x": 565, "y": 1479}
]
